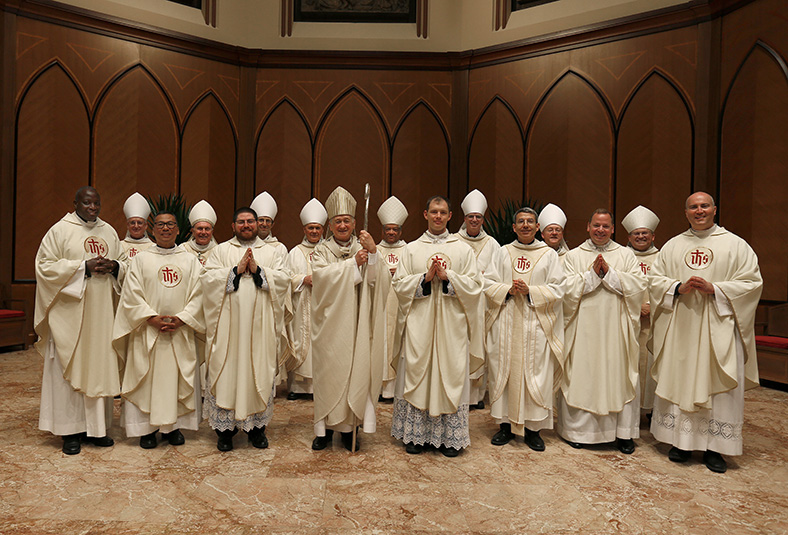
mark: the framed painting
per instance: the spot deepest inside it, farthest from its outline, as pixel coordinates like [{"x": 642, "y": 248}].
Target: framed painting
[{"x": 376, "y": 11}]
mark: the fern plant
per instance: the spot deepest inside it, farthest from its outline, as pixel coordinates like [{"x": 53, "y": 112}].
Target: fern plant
[
  {"x": 498, "y": 224},
  {"x": 175, "y": 203}
]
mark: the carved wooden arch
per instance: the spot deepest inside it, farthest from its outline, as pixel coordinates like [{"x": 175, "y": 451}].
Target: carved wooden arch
[
  {"x": 656, "y": 71},
  {"x": 484, "y": 111},
  {"x": 598, "y": 92},
  {"x": 56, "y": 63},
  {"x": 781, "y": 64},
  {"x": 284, "y": 101},
  {"x": 182, "y": 131},
  {"x": 341, "y": 97},
  {"x": 119, "y": 76},
  {"x": 403, "y": 120}
]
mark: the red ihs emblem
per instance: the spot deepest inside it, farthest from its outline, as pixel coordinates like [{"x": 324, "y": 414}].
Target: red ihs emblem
[
  {"x": 699, "y": 258},
  {"x": 169, "y": 276},
  {"x": 96, "y": 246}
]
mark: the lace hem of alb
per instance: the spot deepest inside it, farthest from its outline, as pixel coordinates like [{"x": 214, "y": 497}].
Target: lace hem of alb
[
  {"x": 410, "y": 424},
  {"x": 690, "y": 425},
  {"x": 224, "y": 419}
]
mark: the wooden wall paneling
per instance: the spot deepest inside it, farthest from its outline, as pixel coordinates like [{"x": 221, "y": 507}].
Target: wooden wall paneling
[
  {"x": 91, "y": 59},
  {"x": 419, "y": 166},
  {"x": 351, "y": 149},
  {"x": 53, "y": 147},
  {"x": 654, "y": 156},
  {"x": 754, "y": 163},
  {"x": 283, "y": 167},
  {"x": 495, "y": 157},
  {"x": 7, "y": 141},
  {"x": 135, "y": 143},
  {"x": 569, "y": 153},
  {"x": 208, "y": 161}
]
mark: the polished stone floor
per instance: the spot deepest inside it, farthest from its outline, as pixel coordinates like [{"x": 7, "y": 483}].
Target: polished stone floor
[{"x": 289, "y": 488}]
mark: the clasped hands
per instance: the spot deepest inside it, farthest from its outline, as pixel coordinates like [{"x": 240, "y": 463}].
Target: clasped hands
[
  {"x": 519, "y": 287},
  {"x": 247, "y": 264},
  {"x": 696, "y": 283},
  {"x": 100, "y": 264},
  {"x": 436, "y": 269},
  {"x": 600, "y": 267},
  {"x": 368, "y": 246},
  {"x": 165, "y": 323}
]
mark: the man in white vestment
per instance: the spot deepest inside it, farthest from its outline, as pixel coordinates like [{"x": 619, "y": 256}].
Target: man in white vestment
[
  {"x": 299, "y": 330},
  {"x": 245, "y": 286},
  {"x": 487, "y": 252},
  {"x": 136, "y": 209},
  {"x": 348, "y": 309},
  {"x": 160, "y": 309},
  {"x": 526, "y": 369},
  {"x": 392, "y": 215},
  {"x": 202, "y": 218},
  {"x": 705, "y": 288},
  {"x": 600, "y": 393},
  {"x": 641, "y": 225},
  {"x": 266, "y": 209},
  {"x": 79, "y": 267},
  {"x": 552, "y": 221},
  {"x": 440, "y": 337}
]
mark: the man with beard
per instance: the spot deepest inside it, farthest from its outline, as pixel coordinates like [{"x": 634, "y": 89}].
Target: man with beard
[{"x": 245, "y": 286}]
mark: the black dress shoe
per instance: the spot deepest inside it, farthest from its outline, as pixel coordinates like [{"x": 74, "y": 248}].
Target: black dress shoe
[
  {"x": 714, "y": 462},
  {"x": 320, "y": 443},
  {"x": 292, "y": 396},
  {"x": 225, "y": 440},
  {"x": 575, "y": 445},
  {"x": 448, "y": 451},
  {"x": 625, "y": 445},
  {"x": 71, "y": 445},
  {"x": 257, "y": 437},
  {"x": 533, "y": 440},
  {"x": 476, "y": 406},
  {"x": 679, "y": 456},
  {"x": 102, "y": 442},
  {"x": 503, "y": 436},
  {"x": 174, "y": 438},
  {"x": 347, "y": 441},
  {"x": 413, "y": 448},
  {"x": 148, "y": 442}
]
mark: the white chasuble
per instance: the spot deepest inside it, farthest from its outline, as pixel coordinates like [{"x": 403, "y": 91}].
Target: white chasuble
[
  {"x": 645, "y": 260},
  {"x": 438, "y": 333},
  {"x": 527, "y": 369},
  {"x": 160, "y": 367},
  {"x": 244, "y": 326},
  {"x": 697, "y": 332},
  {"x": 133, "y": 246},
  {"x": 348, "y": 319},
  {"x": 76, "y": 312},
  {"x": 299, "y": 330},
  {"x": 602, "y": 318},
  {"x": 390, "y": 254}
]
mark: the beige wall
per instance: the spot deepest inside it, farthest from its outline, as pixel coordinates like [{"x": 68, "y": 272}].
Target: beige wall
[{"x": 454, "y": 25}]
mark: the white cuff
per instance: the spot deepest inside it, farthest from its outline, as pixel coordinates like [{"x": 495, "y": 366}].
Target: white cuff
[
  {"x": 75, "y": 287},
  {"x": 591, "y": 281},
  {"x": 670, "y": 296},
  {"x": 722, "y": 303},
  {"x": 612, "y": 282}
]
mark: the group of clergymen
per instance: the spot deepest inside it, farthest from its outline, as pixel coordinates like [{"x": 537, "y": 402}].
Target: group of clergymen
[{"x": 207, "y": 330}]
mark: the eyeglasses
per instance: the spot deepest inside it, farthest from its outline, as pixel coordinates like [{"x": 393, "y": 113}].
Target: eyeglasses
[
  {"x": 168, "y": 224},
  {"x": 245, "y": 221}
]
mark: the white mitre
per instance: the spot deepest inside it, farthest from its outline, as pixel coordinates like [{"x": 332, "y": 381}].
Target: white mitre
[
  {"x": 474, "y": 203},
  {"x": 640, "y": 217},
  {"x": 264, "y": 205},
  {"x": 313, "y": 212},
  {"x": 340, "y": 202},
  {"x": 392, "y": 212},
  {"x": 136, "y": 206},
  {"x": 202, "y": 211},
  {"x": 551, "y": 215}
]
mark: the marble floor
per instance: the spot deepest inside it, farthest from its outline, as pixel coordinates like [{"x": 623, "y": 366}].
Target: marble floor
[{"x": 289, "y": 488}]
